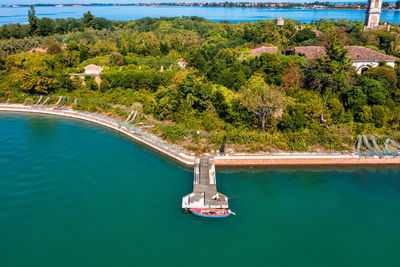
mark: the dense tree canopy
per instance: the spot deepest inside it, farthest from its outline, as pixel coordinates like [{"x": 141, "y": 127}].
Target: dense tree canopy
[{"x": 198, "y": 77}]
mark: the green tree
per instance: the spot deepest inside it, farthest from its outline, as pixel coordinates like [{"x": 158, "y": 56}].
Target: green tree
[
  {"x": 88, "y": 20},
  {"x": 386, "y": 75},
  {"x": 304, "y": 35},
  {"x": 90, "y": 83},
  {"x": 374, "y": 90},
  {"x": 116, "y": 58},
  {"x": 146, "y": 43},
  {"x": 294, "y": 118},
  {"x": 33, "y": 73},
  {"x": 33, "y": 20},
  {"x": 397, "y": 4},
  {"x": 385, "y": 40},
  {"x": 336, "y": 65},
  {"x": 46, "y": 27},
  {"x": 272, "y": 66},
  {"x": 354, "y": 99},
  {"x": 262, "y": 99},
  {"x": 379, "y": 115}
]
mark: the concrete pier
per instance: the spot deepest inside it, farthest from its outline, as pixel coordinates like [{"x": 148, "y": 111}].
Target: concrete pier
[{"x": 205, "y": 193}]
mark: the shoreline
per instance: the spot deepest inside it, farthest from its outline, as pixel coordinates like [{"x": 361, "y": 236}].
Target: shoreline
[
  {"x": 204, "y": 6},
  {"x": 286, "y": 159},
  {"x": 266, "y": 5}
]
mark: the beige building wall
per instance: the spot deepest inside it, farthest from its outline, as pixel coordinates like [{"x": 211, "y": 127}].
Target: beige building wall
[
  {"x": 360, "y": 65},
  {"x": 373, "y": 13}
]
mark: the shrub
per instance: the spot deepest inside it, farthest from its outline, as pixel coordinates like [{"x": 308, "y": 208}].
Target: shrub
[
  {"x": 116, "y": 59},
  {"x": 293, "y": 119},
  {"x": 304, "y": 35},
  {"x": 379, "y": 115},
  {"x": 53, "y": 48},
  {"x": 29, "y": 101},
  {"x": 172, "y": 133},
  {"x": 366, "y": 114}
]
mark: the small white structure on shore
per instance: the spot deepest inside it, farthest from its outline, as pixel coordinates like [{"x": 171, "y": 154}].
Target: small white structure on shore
[
  {"x": 90, "y": 70},
  {"x": 280, "y": 22},
  {"x": 93, "y": 69},
  {"x": 182, "y": 63}
]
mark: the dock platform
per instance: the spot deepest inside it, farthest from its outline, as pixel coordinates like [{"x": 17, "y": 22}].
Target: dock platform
[{"x": 205, "y": 194}]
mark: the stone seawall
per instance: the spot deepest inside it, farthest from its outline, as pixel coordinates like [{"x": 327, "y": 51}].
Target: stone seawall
[
  {"x": 231, "y": 160},
  {"x": 303, "y": 160},
  {"x": 181, "y": 157}
]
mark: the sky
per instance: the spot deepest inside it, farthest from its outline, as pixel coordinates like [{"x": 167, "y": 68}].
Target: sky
[{"x": 10, "y": 2}]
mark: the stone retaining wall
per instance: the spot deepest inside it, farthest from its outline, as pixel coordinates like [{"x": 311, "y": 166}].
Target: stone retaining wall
[{"x": 245, "y": 160}]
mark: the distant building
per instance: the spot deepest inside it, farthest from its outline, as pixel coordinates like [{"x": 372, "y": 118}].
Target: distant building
[
  {"x": 182, "y": 63},
  {"x": 362, "y": 58},
  {"x": 310, "y": 52},
  {"x": 317, "y": 32},
  {"x": 44, "y": 50},
  {"x": 280, "y": 22},
  {"x": 93, "y": 69},
  {"x": 90, "y": 70},
  {"x": 37, "y": 50},
  {"x": 302, "y": 27},
  {"x": 261, "y": 50},
  {"x": 373, "y": 13}
]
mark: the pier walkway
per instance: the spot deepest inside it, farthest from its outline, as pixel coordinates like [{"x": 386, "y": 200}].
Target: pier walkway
[{"x": 205, "y": 193}]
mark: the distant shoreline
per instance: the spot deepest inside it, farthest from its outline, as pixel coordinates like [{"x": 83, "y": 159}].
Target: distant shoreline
[
  {"x": 281, "y": 159},
  {"x": 284, "y": 5},
  {"x": 293, "y": 6}
]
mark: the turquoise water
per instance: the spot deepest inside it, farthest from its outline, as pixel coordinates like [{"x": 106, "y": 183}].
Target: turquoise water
[
  {"x": 125, "y": 13},
  {"x": 77, "y": 194}
]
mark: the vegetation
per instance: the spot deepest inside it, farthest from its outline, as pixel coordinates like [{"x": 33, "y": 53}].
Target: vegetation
[{"x": 270, "y": 102}]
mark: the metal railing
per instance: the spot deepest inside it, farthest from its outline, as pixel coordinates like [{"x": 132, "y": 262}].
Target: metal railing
[{"x": 376, "y": 151}]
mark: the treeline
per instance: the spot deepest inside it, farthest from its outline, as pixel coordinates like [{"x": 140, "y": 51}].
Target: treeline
[{"x": 47, "y": 26}]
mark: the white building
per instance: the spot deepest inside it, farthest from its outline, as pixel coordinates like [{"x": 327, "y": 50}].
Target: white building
[
  {"x": 280, "y": 22},
  {"x": 93, "y": 69},
  {"x": 362, "y": 58},
  {"x": 182, "y": 63}
]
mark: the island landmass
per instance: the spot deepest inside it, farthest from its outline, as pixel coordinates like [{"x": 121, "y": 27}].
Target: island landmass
[
  {"x": 253, "y": 87},
  {"x": 271, "y": 5}
]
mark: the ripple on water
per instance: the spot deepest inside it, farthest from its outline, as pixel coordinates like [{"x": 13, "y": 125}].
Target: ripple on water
[{"x": 70, "y": 186}]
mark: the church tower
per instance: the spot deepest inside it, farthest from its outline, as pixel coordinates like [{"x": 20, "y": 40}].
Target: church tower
[{"x": 374, "y": 9}]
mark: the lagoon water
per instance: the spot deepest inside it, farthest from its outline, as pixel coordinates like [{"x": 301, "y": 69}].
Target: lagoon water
[
  {"x": 125, "y": 13},
  {"x": 78, "y": 194}
]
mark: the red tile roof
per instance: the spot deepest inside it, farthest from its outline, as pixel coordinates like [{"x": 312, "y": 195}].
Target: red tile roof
[
  {"x": 93, "y": 67},
  {"x": 354, "y": 53},
  {"x": 263, "y": 49},
  {"x": 37, "y": 49},
  {"x": 310, "y": 52},
  {"x": 360, "y": 53}
]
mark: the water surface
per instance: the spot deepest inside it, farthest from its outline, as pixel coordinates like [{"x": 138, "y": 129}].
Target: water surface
[
  {"x": 125, "y": 13},
  {"x": 77, "y": 194}
]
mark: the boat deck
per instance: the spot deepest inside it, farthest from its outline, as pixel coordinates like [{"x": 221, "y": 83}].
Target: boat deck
[{"x": 205, "y": 194}]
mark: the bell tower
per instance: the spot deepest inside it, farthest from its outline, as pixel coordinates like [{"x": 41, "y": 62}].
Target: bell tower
[{"x": 372, "y": 14}]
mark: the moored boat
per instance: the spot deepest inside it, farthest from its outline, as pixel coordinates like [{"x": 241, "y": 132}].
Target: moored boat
[{"x": 211, "y": 213}]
